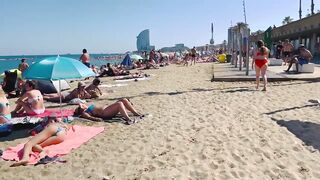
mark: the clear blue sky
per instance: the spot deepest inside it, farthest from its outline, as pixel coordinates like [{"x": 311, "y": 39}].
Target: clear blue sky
[{"x": 68, "y": 26}]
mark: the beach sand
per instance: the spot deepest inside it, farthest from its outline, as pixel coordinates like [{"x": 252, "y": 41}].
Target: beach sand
[{"x": 197, "y": 129}]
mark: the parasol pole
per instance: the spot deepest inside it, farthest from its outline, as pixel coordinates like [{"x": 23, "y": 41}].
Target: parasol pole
[{"x": 60, "y": 98}]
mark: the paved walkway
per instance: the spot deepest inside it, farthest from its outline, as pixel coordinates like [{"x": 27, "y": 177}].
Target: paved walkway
[{"x": 227, "y": 72}]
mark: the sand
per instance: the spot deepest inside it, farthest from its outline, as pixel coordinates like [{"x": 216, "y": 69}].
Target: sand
[{"x": 197, "y": 129}]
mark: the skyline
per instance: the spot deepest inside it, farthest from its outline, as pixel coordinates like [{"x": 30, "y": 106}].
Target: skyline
[{"x": 58, "y": 27}]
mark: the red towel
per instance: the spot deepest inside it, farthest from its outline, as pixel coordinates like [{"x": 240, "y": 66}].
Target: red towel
[
  {"x": 48, "y": 112},
  {"x": 74, "y": 139}
]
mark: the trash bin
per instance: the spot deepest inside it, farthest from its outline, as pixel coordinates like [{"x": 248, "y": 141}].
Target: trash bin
[{"x": 229, "y": 57}]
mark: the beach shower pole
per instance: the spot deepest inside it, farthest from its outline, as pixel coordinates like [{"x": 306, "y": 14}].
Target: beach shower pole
[
  {"x": 247, "y": 33},
  {"x": 60, "y": 98}
]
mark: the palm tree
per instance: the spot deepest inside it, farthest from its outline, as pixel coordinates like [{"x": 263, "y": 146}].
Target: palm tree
[{"x": 287, "y": 20}]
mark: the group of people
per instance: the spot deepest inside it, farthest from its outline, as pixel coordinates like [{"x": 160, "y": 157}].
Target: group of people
[{"x": 260, "y": 59}]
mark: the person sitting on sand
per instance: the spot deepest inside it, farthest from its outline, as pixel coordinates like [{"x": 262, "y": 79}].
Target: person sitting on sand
[
  {"x": 95, "y": 113},
  {"x": 79, "y": 92},
  {"x": 31, "y": 102},
  {"x": 94, "y": 69},
  {"x": 5, "y": 115},
  {"x": 54, "y": 133},
  {"x": 303, "y": 56},
  {"x": 93, "y": 88}
]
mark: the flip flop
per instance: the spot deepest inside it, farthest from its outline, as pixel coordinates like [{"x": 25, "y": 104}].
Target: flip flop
[{"x": 48, "y": 159}]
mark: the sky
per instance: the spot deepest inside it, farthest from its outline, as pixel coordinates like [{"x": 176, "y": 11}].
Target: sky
[{"x": 34, "y": 27}]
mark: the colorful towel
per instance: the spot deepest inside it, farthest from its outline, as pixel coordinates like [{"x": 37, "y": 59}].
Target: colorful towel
[
  {"x": 48, "y": 112},
  {"x": 74, "y": 139}
]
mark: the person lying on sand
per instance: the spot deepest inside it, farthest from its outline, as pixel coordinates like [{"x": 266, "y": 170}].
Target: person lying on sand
[
  {"x": 31, "y": 102},
  {"x": 93, "y": 88},
  {"x": 133, "y": 76},
  {"x": 54, "y": 133},
  {"x": 113, "y": 71},
  {"x": 79, "y": 92},
  {"x": 95, "y": 113}
]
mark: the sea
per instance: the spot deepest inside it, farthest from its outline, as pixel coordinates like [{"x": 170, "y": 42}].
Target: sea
[{"x": 12, "y": 62}]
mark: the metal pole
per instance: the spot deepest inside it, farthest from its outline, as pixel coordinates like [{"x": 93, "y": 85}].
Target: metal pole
[
  {"x": 312, "y": 7},
  {"x": 247, "y": 38},
  {"x": 60, "y": 98},
  {"x": 300, "y": 11},
  {"x": 247, "y": 53},
  {"x": 240, "y": 51}
]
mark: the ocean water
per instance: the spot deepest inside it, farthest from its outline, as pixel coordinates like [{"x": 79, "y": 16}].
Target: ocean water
[{"x": 12, "y": 62}]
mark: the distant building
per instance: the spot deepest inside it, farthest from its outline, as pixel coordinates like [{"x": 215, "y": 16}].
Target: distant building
[
  {"x": 143, "y": 41},
  {"x": 304, "y": 31},
  {"x": 176, "y": 48}
]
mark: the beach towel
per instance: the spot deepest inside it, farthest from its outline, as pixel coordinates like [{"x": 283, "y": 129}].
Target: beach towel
[
  {"x": 133, "y": 79},
  {"x": 48, "y": 112},
  {"x": 112, "y": 85},
  {"x": 74, "y": 139}
]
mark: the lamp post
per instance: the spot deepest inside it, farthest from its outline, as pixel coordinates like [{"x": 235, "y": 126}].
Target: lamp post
[
  {"x": 300, "y": 12},
  {"x": 312, "y": 7}
]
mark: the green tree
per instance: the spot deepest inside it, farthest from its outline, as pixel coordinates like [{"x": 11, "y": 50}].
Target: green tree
[{"x": 287, "y": 20}]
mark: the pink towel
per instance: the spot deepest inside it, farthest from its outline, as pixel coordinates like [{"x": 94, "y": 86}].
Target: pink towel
[
  {"x": 48, "y": 112},
  {"x": 74, "y": 139}
]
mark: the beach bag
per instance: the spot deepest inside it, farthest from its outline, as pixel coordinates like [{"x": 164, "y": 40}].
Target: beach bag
[{"x": 76, "y": 101}]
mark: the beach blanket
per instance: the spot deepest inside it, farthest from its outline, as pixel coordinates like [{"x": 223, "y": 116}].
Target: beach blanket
[
  {"x": 74, "y": 139},
  {"x": 48, "y": 112}
]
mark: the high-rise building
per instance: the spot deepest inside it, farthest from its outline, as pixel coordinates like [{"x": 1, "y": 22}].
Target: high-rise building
[{"x": 143, "y": 41}]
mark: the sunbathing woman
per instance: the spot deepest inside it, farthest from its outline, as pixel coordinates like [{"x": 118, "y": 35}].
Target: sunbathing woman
[
  {"x": 5, "y": 114},
  {"x": 54, "y": 133},
  {"x": 95, "y": 113},
  {"x": 79, "y": 92},
  {"x": 31, "y": 102}
]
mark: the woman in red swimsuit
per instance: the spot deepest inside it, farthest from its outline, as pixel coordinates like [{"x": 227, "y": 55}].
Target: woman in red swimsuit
[{"x": 261, "y": 63}]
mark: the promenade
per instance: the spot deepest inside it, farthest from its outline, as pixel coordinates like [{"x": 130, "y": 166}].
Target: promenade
[{"x": 228, "y": 73}]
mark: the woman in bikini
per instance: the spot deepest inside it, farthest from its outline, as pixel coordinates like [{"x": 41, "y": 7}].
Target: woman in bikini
[
  {"x": 5, "y": 114},
  {"x": 79, "y": 92},
  {"x": 95, "y": 113},
  {"x": 31, "y": 102},
  {"x": 261, "y": 63},
  {"x": 54, "y": 133}
]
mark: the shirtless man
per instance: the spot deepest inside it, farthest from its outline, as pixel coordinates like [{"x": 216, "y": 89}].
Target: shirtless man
[
  {"x": 303, "y": 56},
  {"x": 193, "y": 54},
  {"x": 287, "y": 51},
  {"x": 85, "y": 58},
  {"x": 23, "y": 65}
]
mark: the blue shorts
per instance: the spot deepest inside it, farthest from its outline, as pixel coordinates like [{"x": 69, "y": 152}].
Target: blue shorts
[{"x": 303, "y": 61}]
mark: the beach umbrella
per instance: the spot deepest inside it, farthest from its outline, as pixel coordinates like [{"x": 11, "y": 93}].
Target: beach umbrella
[
  {"x": 57, "y": 68},
  {"x": 127, "y": 62},
  {"x": 135, "y": 57}
]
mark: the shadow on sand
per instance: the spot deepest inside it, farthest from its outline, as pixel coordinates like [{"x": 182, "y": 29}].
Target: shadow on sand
[
  {"x": 16, "y": 134},
  {"x": 308, "y": 132},
  {"x": 292, "y": 108}
]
